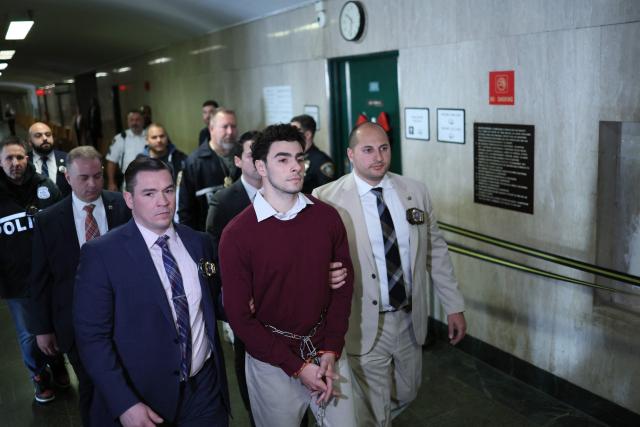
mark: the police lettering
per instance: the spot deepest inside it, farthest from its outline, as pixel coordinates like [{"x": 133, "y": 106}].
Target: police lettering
[{"x": 15, "y": 224}]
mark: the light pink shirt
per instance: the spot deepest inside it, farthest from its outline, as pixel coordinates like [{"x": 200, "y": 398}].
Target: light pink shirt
[{"x": 200, "y": 346}]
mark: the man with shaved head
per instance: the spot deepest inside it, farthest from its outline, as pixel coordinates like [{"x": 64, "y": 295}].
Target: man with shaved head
[
  {"x": 48, "y": 161},
  {"x": 394, "y": 235}
]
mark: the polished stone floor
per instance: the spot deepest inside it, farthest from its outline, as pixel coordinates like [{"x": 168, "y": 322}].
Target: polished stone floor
[{"x": 457, "y": 390}]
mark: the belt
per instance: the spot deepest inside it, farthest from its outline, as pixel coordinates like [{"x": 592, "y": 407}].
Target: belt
[{"x": 406, "y": 308}]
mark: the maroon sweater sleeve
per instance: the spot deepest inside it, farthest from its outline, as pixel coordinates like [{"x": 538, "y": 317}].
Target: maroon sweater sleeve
[
  {"x": 236, "y": 277},
  {"x": 340, "y": 305}
]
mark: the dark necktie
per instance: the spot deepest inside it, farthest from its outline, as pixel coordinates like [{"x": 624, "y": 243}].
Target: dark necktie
[
  {"x": 395, "y": 276},
  {"x": 180, "y": 305},
  {"x": 91, "y": 230},
  {"x": 45, "y": 166}
]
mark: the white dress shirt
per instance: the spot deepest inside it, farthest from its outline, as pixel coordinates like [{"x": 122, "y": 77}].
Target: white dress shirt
[
  {"x": 79, "y": 216},
  {"x": 370, "y": 209},
  {"x": 124, "y": 150},
  {"x": 200, "y": 346},
  {"x": 51, "y": 164},
  {"x": 250, "y": 189},
  {"x": 264, "y": 210}
]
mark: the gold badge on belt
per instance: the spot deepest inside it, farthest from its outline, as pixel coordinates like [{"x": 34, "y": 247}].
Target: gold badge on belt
[{"x": 227, "y": 181}]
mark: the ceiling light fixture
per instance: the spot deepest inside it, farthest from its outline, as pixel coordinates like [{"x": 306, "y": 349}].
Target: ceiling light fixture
[
  {"x": 18, "y": 30},
  {"x": 6, "y": 54},
  {"x": 101, "y": 74},
  {"x": 157, "y": 61},
  {"x": 121, "y": 70},
  {"x": 69, "y": 81},
  {"x": 3, "y": 65},
  {"x": 207, "y": 49}
]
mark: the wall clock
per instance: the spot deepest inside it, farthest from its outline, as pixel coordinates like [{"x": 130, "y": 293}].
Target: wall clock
[{"x": 352, "y": 21}]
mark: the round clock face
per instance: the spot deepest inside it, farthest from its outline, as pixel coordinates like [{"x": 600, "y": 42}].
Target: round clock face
[{"x": 351, "y": 20}]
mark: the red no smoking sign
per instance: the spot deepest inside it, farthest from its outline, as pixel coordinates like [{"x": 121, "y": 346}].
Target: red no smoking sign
[{"x": 501, "y": 87}]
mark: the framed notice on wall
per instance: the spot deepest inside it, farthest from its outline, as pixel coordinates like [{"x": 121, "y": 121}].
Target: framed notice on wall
[
  {"x": 451, "y": 125},
  {"x": 416, "y": 123},
  {"x": 503, "y": 157}
]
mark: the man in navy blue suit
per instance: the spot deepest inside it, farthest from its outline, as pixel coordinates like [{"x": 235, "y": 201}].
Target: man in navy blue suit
[
  {"x": 59, "y": 232},
  {"x": 144, "y": 314},
  {"x": 48, "y": 162}
]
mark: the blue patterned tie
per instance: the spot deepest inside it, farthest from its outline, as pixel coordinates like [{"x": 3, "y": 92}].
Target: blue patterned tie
[
  {"x": 180, "y": 305},
  {"x": 395, "y": 276}
]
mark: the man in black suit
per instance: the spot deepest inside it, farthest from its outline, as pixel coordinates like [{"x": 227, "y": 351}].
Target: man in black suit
[
  {"x": 48, "y": 162},
  {"x": 59, "y": 233}
]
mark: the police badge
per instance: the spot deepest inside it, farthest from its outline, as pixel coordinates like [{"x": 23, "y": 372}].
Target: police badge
[
  {"x": 415, "y": 216},
  {"x": 207, "y": 268}
]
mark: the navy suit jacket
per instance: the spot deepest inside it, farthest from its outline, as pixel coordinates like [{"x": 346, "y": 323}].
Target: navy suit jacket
[
  {"x": 61, "y": 166},
  {"x": 125, "y": 331},
  {"x": 54, "y": 263}
]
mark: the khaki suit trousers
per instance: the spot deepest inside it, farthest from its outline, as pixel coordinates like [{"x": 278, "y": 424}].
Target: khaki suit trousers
[
  {"x": 387, "y": 379},
  {"x": 278, "y": 400}
]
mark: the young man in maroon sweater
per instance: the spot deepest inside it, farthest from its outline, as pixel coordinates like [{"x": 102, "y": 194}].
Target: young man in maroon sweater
[{"x": 278, "y": 253}]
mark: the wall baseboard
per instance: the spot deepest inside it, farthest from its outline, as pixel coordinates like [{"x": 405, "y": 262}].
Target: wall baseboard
[{"x": 584, "y": 400}]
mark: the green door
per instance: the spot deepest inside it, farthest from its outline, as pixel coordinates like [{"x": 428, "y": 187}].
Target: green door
[{"x": 364, "y": 85}]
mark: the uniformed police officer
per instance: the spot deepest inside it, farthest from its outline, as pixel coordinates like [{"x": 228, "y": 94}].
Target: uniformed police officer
[
  {"x": 319, "y": 168},
  {"x": 125, "y": 148}
]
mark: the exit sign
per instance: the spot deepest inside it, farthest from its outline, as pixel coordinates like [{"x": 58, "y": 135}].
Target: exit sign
[{"x": 501, "y": 87}]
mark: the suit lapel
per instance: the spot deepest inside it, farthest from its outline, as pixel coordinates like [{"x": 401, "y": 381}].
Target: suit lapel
[
  {"x": 195, "y": 252},
  {"x": 109, "y": 210},
  {"x": 147, "y": 273},
  {"x": 407, "y": 202},
  {"x": 68, "y": 227},
  {"x": 350, "y": 199}
]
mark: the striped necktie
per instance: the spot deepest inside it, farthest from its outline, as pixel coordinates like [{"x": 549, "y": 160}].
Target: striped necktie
[
  {"x": 45, "y": 166},
  {"x": 91, "y": 230},
  {"x": 180, "y": 304},
  {"x": 395, "y": 276}
]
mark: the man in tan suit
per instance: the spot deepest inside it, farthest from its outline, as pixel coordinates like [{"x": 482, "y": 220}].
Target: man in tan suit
[{"x": 394, "y": 237}]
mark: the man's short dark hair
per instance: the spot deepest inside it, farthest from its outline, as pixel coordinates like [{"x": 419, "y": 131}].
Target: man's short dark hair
[
  {"x": 238, "y": 147},
  {"x": 210, "y": 103},
  {"x": 134, "y": 111},
  {"x": 307, "y": 123},
  {"x": 271, "y": 134},
  {"x": 14, "y": 140},
  {"x": 143, "y": 164}
]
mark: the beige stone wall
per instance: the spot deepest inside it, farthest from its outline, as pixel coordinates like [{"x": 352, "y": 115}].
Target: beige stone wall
[{"x": 576, "y": 63}]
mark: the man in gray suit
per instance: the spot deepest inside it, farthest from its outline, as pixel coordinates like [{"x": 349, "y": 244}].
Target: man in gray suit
[{"x": 394, "y": 237}]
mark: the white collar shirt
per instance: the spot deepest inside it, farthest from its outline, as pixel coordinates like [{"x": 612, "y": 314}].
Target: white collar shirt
[
  {"x": 372, "y": 219},
  {"x": 51, "y": 164},
  {"x": 264, "y": 210},
  {"x": 250, "y": 189},
  {"x": 80, "y": 215},
  {"x": 200, "y": 346}
]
